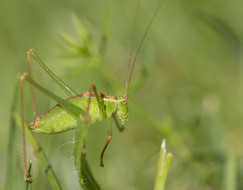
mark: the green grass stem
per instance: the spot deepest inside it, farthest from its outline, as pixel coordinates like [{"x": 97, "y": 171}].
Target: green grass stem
[
  {"x": 10, "y": 180},
  {"x": 231, "y": 173},
  {"x": 29, "y": 184},
  {"x": 163, "y": 168}
]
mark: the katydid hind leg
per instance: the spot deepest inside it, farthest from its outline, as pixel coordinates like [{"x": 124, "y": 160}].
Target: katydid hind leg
[
  {"x": 65, "y": 88},
  {"x": 26, "y": 173},
  {"x": 37, "y": 145},
  {"x": 69, "y": 107},
  {"x": 107, "y": 142},
  {"x": 72, "y": 109}
]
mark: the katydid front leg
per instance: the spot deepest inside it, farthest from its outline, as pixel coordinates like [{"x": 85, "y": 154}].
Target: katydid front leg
[
  {"x": 108, "y": 141},
  {"x": 101, "y": 105}
]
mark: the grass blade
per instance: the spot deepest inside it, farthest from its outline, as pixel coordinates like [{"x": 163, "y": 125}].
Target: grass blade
[
  {"x": 10, "y": 181},
  {"x": 105, "y": 31},
  {"x": 163, "y": 168},
  {"x": 90, "y": 182},
  {"x": 85, "y": 176},
  {"x": 230, "y": 176},
  {"x": 29, "y": 184}
]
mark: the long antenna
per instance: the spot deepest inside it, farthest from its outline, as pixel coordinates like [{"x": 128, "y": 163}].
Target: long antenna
[
  {"x": 132, "y": 44},
  {"x": 129, "y": 75}
]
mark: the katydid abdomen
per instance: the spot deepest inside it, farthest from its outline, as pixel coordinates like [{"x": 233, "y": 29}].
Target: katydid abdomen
[{"x": 57, "y": 120}]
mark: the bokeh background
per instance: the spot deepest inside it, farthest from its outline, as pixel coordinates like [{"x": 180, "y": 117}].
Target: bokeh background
[{"x": 187, "y": 87}]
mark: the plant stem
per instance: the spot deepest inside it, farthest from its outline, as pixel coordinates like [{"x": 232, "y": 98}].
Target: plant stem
[{"x": 163, "y": 168}]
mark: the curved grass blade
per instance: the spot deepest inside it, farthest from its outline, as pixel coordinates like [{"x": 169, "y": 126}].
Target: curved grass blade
[
  {"x": 226, "y": 32},
  {"x": 86, "y": 179},
  {"x": 105, "y": 31}
]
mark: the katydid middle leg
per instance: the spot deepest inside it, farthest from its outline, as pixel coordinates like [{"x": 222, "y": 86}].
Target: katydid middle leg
[{"x": 101, "y": 105}]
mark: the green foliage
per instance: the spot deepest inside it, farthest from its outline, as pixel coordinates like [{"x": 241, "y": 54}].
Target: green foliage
[{"x": 187, "y": 88}]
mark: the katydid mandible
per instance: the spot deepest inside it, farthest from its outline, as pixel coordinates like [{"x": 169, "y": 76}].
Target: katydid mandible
[{"x": 89, "y": 107}]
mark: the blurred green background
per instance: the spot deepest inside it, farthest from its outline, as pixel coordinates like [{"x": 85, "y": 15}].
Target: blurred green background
[{"x": 187, "y": 87}]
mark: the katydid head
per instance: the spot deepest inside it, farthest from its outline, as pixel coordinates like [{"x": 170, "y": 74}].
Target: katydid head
[{"x": 122, "y": 111}]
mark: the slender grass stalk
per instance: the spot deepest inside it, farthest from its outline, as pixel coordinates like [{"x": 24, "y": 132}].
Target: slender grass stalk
[
  {"x": 105, "y": 32},
  {"x": 230, "y": 173},
  {"x": 163, "y": 168},
  {"x": 86, "y": 179},
  {"x": 10, "y": 181},
  {"x": 29, "y": 184}
]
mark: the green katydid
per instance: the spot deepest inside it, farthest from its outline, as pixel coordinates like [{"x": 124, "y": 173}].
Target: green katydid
[{"x": 87, "y": 108}]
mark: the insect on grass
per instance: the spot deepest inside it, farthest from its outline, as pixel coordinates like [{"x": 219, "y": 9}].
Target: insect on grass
[{"x": 78, "y": 111}]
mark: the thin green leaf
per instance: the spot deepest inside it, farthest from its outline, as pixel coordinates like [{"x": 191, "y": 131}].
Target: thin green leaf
[
  {"x": 29, "y": 184},
  {"x": 87, "y": 176},
  {"x": 83, "y": 33},
  {"x": 76, "y": 49},
  {"x": 86, "y": 179},
  {"x": 12, "y": 137},
  {"x": 221, "y": 27},
  {"x": 230, "y": 174},
  {"x": 105, "y": 31}
]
